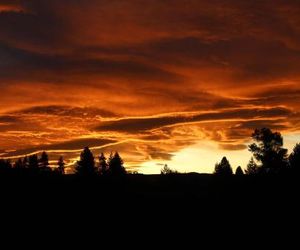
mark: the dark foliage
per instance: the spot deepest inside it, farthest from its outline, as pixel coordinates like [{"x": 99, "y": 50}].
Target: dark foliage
[
  {"x": 19, "y": 164},
  {"x": 44, "y": 162},
  {"x": 86, "y": 164},
  {"x": 5, "y": 165},
  {"x": 294, "y": 159},
  {"x": 115, "y": 165},
  {"x": 103, "y": 166},
  {"x": 268, "y": 150},
  {"x": 167, "y": 171},
  {"x": 252, "y": 168},
  {"x": 25, "y": 162},
  {"x": 223, "y": 168},
  {"x": 239, "y": 171},
  {"x": 61, "y": 165},
  {"x": 33, "y": 162}
]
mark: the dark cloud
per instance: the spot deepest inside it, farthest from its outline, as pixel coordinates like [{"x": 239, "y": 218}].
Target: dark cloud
[
  {"x": 158, "y": 153},
  {"x": 71, "y": 111},
  {"x": 16, "y": 123},
  {"x": 248, "y": 57},
  {"x": 19, "y": 64},
  {"x": 77, "y": 144},
  {"x": 232, "y": 146},
  {"x": 8, "y": 119},
  {"x": 276, "y": 124},
  {"x": 241, "y": 131},
  {"x": 155, "y": 137},
  {"x": 36, "y": 26},
  {"x": 134, "y": 125}
]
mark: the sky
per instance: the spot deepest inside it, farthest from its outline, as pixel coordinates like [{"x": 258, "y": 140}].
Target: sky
[{"x": 177, "y": 82}]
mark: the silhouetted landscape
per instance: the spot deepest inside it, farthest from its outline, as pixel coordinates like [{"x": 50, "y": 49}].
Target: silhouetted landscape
[
  {"x": 150, "y": 111},
  {"x": 271, "y": 176}
]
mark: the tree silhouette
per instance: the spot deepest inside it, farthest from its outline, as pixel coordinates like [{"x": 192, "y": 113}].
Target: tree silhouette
[
  {"x": 252, "y": 167},
  {"x": 269, "y": 156},
  {"x": 294, "y": 159},
  {"x": 103, "y": 166},
  {"x": 44, "y": 162},
  {"x": 19, "y": 164},
  {"x": 86, "y": 164},
  {"x": 268, "y": 150},
  {"x": 223, "y": 168},
  {"x": 5, "y": 165},
  {"x": 61, "y": 165},
  {"x": 166, "y": 170},
  {"x": 110, "y": 158},
  {"x": 239, "y": 171},
  {"x": 33, "y": 162},
  {"x": 115, "y": 165},
  {"x": 25, "y": 162}
]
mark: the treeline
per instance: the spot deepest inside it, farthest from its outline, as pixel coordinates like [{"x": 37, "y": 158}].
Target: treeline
[
  {"x": 87, "y": 164},
  {"x": 269, "y": 157}
]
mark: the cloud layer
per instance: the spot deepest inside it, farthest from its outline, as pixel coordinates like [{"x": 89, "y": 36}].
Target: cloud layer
[{"x": 148, "y": 78}]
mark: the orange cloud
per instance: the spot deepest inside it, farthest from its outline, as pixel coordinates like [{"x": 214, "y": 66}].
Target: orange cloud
[
  {"x": 10, "y": 6},
  {"x": 128, "y": 74}
]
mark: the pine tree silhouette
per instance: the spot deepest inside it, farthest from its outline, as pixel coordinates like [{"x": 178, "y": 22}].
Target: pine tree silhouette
[
  {"x": 5, "y": 165},
  {"x": 25, "y": 162},
  {"x": 61, "y": 165},
  {"x": 239, "y": 171},
  {"x": 44, "y": 162},
  {"x": 115, "y": 164},
  {"x": 223, "y": 168},
  {"x": 19, "y": 164},
  {"x": 103, "y": 166},
  {"x": 86, "y": 164},
  {"x": 167, "y": 171},
  {"x": 252, "y": 167},
  {"x": 33, "y": 162}
]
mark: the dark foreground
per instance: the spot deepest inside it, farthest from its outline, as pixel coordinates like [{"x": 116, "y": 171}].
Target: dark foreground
[
  {"x": 154, "y": 207},
  {"x": 193, "y": 190}
]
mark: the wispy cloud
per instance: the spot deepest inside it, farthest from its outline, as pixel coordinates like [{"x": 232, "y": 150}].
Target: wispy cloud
[{"x": 147, "y": 78}]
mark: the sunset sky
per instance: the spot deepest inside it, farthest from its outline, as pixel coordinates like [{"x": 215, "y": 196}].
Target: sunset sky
[{"x": 177, "y": 82}]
